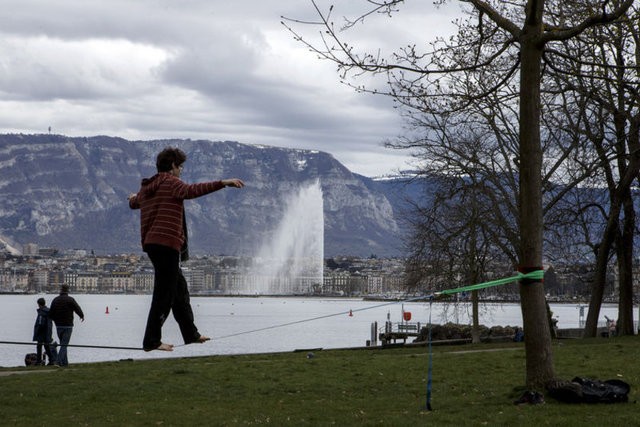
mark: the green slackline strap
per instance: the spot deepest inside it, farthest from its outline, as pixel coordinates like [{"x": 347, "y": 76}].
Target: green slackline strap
[{"x": 536, "y": 275}]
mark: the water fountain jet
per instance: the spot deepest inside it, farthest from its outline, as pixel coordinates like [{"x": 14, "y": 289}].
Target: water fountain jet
[{"x": 291, "y": 261}]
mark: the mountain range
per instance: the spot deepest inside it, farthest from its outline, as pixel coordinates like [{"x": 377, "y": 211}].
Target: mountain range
[{"x": 71, "y": 193}]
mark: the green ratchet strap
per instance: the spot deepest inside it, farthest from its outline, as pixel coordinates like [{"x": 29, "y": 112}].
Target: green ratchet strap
[{"x": 535, "y": 275}]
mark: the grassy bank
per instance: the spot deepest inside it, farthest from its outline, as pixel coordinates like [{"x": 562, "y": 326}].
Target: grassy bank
[{"x": 473, "y": 385}]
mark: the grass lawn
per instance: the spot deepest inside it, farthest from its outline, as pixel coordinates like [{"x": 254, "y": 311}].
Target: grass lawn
[{"x": 473, "y": 385}]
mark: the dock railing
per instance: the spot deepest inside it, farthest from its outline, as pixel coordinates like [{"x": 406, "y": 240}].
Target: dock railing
[{"x": 393, "y": 331}]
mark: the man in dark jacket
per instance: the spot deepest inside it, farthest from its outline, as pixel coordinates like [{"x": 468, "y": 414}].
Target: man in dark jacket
[
  {"x": 42, "y": 331},
  {"x": 164, "y": 239},
  {"x": 61, "y": 312}
]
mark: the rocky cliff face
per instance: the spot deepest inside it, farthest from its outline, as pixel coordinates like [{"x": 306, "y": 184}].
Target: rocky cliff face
[{"x": 72, "y": 193}]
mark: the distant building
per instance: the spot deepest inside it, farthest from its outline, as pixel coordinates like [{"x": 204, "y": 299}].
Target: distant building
[
  {"x": 48, "y": 252},
  {"x": 112, "y": 281},
  {"x": 76, "y": 253},
  {"x": 30, "y": 249},
  {"x": 142, "y": 282},
  {"x": 13, "y": 280},
  {"x": 195, "y": 278},
  {"x": 38, "y": 280},
  {"x": 86, "y": 282}
]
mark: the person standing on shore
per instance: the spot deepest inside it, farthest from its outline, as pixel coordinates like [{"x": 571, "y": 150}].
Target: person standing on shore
[
  {"x": 42, "y": 334},
  {"x": 61, "y": 312},
  {"x": 163, "y": 230}
]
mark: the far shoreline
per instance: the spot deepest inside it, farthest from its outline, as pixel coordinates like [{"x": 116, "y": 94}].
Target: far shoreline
[{"x": 372, "y": 298}]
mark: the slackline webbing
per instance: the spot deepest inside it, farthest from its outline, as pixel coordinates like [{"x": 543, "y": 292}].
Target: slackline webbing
[
  {"x": 72, "y": 345},
  {"x": 535, "y": 275}
]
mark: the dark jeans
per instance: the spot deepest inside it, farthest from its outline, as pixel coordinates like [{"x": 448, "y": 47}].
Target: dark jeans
[
  {"x": 64, "y": 335},
  {"x": 170, "y": 293}
]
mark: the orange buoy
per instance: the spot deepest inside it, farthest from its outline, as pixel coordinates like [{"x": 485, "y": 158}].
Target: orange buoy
[
  {"x": 406, "y": 315},
  {"x": 350, "y": 313},
  {"x": 107, "y": 310}
]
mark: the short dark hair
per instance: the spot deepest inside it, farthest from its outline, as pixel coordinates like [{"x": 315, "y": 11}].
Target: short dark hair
[
  {"x": 41, "y": 301},
  {"x": 168, "y": 157}
]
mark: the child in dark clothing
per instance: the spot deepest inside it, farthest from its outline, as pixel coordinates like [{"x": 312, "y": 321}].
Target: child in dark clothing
[{"x": 42, "y": 334}]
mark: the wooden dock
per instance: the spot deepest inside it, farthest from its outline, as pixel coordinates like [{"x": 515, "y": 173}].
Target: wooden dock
[{"x": 394, "y": 332}]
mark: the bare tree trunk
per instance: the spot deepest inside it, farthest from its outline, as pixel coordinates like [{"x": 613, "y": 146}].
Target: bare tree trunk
[
  {"x": 625, "y": 305},
  {"x": 475, "y": 328},
  {"x": 600, "y": 274},
  {"x": 537, "y": 336},
  {"x": 474, "y": 269},
  {"x": 625, "y": 264}
]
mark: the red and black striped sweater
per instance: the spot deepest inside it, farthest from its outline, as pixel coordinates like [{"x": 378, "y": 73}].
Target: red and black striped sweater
[{"x": 160, "y": 201}]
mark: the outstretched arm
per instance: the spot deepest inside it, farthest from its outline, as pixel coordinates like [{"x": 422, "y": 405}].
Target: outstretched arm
[{"x": 181, "y": 190}]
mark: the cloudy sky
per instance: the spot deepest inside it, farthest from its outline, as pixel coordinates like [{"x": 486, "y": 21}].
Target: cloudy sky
[{"x": 200, "y": 69}]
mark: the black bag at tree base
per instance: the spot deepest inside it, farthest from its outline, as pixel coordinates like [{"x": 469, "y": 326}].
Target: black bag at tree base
[
  {"x": 30, "y": 359},
  {"x": 585, "y": 390}
]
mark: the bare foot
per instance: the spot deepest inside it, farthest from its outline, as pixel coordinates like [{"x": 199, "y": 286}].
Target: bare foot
[
  {"x": 162, "y": 346},
  {"x": 203, "y": 339},
  {"x": 165, "y": 347}
]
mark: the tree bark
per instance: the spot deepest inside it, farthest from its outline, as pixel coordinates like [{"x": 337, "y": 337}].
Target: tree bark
[
  {"x": 600, "y": 274},
  {"x": 539, "y": 357},
  {"x": 625, "y": 263},
  {"x": 475, "y": 328}
]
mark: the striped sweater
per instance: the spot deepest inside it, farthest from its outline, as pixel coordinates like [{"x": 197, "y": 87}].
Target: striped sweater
[{"x": 160, "y": 201}]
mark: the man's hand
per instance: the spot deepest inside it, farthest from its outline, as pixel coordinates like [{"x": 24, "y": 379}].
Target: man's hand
[{"x": 233, "y": 182}]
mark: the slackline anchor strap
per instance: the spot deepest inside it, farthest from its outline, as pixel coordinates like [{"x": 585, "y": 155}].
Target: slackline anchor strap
[
  {"x": 430, "y": 363},
  {"x": 531, "y": 274}
]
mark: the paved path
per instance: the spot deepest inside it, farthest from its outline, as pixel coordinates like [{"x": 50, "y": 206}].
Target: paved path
[{"x": 34, "y": 371}]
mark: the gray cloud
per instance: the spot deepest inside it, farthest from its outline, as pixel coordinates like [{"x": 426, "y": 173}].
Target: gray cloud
[{"x": 193, "y": 69}]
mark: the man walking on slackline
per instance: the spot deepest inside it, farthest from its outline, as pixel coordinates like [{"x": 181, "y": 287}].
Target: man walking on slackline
[{"x": 163, "y": 229}]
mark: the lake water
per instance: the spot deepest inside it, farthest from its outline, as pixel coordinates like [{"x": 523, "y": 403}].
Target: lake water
[{"x": 242, "y": 325}]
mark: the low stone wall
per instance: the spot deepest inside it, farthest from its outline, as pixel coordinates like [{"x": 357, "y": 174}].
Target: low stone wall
[
  {"x": 453, "y": 331},
  {"x": 579, "y": 333}
]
